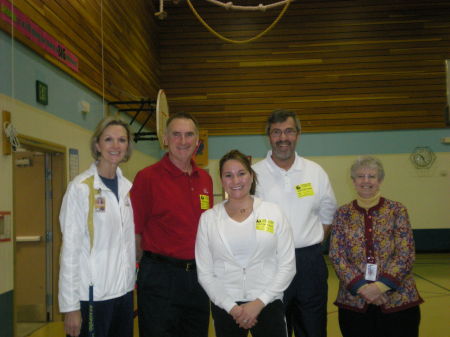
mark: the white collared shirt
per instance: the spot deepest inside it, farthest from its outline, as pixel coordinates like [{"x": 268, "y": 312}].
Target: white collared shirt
[{"x": 303, "y": 192}]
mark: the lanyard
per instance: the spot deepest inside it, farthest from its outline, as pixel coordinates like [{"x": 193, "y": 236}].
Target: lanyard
[{"x": 91, "y": 332}]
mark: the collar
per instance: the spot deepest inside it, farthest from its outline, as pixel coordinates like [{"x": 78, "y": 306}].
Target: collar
[
  {"x": 175, "y": 171},
  {"x": 297, "y": 165},
  {"x": 98, "y": 183},
  {"x": 374, "y": 208},
  {"x": 368, "y": 203}
]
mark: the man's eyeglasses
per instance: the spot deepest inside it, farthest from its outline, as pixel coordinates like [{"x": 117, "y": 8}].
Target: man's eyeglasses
[{"x": 289, "y": 132}]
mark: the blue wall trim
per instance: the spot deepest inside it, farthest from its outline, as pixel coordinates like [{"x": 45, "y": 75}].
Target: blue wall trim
[
  {"x": 337, "y": 143},
  {"x": 6, "y": 318},
  {"x": 20, "y": 67}
]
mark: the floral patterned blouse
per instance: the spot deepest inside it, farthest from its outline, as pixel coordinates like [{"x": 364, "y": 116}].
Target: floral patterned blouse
[{"x": 383, "y": 236}]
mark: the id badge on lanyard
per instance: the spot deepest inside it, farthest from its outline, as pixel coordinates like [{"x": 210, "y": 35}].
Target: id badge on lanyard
[
  {"x": 100, "y": 202},
  {"x": 371, "y": 272}
]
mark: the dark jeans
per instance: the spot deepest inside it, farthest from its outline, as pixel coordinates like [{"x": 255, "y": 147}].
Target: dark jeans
[
  {"x": 171, "y": 302},
  {"x": 374, "y": 323},
  {"x": 271, "y": 322},
  {"x": 112, "y": 318},
  {"x": 306, "y": 297}
]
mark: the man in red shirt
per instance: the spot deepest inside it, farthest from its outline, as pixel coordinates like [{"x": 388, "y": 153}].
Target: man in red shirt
[{"x": 168, "y": 199}]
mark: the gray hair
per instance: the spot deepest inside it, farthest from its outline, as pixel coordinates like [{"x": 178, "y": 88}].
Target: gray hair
[
  {"x": 281, "y": 115},
  {"x": 367, "y": 162},
  {"x": 101, "y": 126},
  {"x": 183, "y": 115}
]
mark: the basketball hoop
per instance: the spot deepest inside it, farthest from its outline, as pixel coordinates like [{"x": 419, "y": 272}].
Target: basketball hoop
[{"x": 162, "y": 115}]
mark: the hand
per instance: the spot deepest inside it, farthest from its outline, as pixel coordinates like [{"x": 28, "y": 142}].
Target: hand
[
  {"x": 381, "y": 300},
  {"x": 326, "y": 231},
  {"x": 249, "y": 315},
  {"x": 72, "y": 323},
  {"x": 236, "y": 311},
  {"x": 370, "y": 292}
]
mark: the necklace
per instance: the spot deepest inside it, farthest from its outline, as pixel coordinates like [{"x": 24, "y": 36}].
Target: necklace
[{"x": 239, "y": 210}]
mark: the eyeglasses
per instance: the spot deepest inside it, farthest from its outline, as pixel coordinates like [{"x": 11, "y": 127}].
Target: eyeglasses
[
  {"x": 289, "y": 132},
  {"x": 366, "y": 176}
]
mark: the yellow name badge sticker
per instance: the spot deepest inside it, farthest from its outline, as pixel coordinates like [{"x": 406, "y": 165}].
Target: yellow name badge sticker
[
  {"x": 264, "y": 225},
  {"x": 204, "y": 201},
  {"x": 304, "y": 190}
]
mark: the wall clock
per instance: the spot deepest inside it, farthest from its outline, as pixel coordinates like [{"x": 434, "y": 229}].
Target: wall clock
[{"x": 422, "y": 157}]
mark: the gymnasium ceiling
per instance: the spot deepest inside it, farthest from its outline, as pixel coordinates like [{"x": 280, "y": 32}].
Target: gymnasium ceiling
[{"x": 341, "y": 65}]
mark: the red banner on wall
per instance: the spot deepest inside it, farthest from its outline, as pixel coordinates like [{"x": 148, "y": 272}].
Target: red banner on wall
[{"x": 33, "y": 32}]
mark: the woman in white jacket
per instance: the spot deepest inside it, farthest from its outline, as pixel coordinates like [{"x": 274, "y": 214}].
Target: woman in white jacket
[
  {"x": 98, "y": 257},
  {"x": 245, "y": 256}
]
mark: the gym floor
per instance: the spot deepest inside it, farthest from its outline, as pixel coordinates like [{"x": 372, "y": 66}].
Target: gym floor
[{"x": 432, "y": 275}]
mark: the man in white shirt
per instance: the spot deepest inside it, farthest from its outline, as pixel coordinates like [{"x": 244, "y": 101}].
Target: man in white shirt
[{"x": 303, "y": 191}]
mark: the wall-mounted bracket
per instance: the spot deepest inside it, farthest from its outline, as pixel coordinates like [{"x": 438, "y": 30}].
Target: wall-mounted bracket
[{"x": 144, "y": 106}]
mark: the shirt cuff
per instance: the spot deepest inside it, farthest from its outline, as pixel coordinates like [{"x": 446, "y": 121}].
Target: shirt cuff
[
  {"x": 265, "y": 298},
  {"x": 354, "y": 286},
  {"x": 390, "y": 281},
  {"x": 228, "y": 305}
]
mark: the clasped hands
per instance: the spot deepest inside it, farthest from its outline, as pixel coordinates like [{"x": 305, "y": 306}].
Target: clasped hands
[
  {"x": 245, "y": 315},
  {"x": 372, "y": 294}
]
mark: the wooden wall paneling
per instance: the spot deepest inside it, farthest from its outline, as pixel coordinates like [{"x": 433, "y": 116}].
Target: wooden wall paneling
[
  {"x": 130, "y": 50},
  {"x": 343, "y": 66},
  {"x": 80, "y": 39}
]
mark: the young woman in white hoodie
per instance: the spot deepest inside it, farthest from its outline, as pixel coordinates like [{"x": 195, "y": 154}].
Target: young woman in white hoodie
[{"x": 245, "y": 256}]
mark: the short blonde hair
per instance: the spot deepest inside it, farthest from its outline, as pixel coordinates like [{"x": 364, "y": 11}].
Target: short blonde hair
[{"x": 101, "y": 126}]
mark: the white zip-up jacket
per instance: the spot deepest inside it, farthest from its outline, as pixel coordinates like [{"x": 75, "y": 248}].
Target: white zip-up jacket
[
  {"x": 90, "y": 211},
  {"x": 269, "y": 270}
]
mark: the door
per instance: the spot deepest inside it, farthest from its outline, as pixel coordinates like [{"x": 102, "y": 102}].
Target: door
[
  {"x": 29, "y": 204},
  {"x": 39, "y": 185}
]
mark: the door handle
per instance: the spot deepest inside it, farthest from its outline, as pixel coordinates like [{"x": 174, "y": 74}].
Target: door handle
[{"x": 28, "y": 238}]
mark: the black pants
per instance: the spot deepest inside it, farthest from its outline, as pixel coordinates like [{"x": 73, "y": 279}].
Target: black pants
[
  {"x": 271, "y": 322},
  {"x": 112, "y": 318},
  {"x": 171, "y": 302},
  {"x": 306, "y": 297},
  {"x": 374, "y": 323}
]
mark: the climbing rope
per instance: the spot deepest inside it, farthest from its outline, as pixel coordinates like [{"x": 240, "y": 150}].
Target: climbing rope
[{"x": 268, "y": 29}]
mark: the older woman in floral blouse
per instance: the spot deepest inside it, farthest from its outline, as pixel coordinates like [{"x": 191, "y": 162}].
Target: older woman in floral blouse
[{"x": 372, "y": 252}]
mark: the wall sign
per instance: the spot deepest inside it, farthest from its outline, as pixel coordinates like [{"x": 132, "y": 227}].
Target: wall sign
[
  {"x": 201, "y": 152},
  {"x": 33, "y": 32},
  {"x": 41, "y": 93},
  {"x": 74, "y": 166}
]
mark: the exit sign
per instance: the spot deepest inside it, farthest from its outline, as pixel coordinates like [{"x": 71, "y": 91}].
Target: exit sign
[{"x": 41, "y": 93}]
